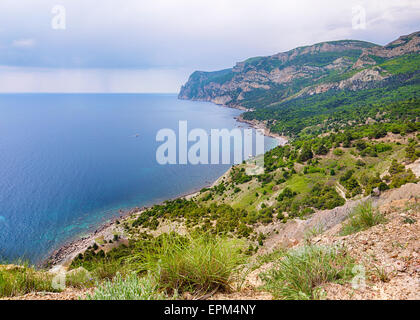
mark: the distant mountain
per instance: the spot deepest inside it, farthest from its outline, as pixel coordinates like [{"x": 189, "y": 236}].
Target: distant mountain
[{"x": 323, "y": 69}]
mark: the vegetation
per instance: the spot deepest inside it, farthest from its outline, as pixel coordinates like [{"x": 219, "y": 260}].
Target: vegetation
[
  {"x": 328, "y": 111},
  {"x": 198, "y": 263},
  {"x": 344, "y": 144},
  {"x": 301, "y": 272},
  {"x": 310, "y": 173},
  {"x": 18, "y": 280},
  {"x": 363, "y": 217},
  {"x": 130, "y": 288},
  {"x": 399, "y": 176}
]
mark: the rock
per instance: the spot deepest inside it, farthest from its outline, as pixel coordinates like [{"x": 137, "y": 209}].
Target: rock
[
  {"x": 400, "y": 266},
  {"x": 293, "y": 242}
]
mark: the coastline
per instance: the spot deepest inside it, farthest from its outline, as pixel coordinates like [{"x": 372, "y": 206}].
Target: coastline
[
  {"x": 65, "y": 253},
  {"x": 283, "y": 140}
]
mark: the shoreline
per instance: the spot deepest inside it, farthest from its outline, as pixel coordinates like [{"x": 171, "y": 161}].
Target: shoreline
[
  {"x": 65, "y": 253},
  {"x": 283, "y": 140}
]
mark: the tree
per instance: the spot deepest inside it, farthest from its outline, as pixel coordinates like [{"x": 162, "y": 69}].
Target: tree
[
  {"x": 306, "y": 153},
  {"x": 410, "y": 152},
  {"x": 322, "y": 150}
]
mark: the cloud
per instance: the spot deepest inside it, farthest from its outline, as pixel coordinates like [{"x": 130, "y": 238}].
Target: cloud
[
  {"x": 185, "y": 34},
  {"x": 51, "y": 80},
  {"x": 24, "y": 43}
]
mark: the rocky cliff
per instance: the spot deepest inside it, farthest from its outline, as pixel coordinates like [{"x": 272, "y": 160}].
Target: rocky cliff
[{"x": 310, "y": 70}]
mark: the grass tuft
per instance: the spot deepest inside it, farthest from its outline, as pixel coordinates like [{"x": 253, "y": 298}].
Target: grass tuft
[
  {"x": 198, "y": 264},
  {"x": 301, "y": 272},
  {"x": 19, "y": 280},
  {"x": 363, "y": 217},
  {"x": 381, "y": 273}
]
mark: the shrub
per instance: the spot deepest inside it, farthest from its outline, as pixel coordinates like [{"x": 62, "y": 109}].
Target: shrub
[
  {"x": 363, "y": 217},
  {"x": 396, "y": 168},
  {"x": 383, "y": 186},
  {"x": 360, "y": 145},
  {"x": 383, "y": 147},
  {"x": 350, "y": 183},
  {"x": 287, "y": 193},
  {"x": 321, "y": 150},
  {"x": 324, "y": 197},
  {"x": 239, "y": 176},
  {"x": 131, "y": 288},
  {"x": 265, "y": 215},
  {"x": 346, "y": 176},
  {"x": 305, "y": 154},
  {"x": 400, "y": 175},
  {"x": 403, "y": 178},
  {"x": 360, "y": 163},
  {"x": 299, "y": 274},
  {"x": 106, "y": 265},
  {"x": 410, "y": 152}
]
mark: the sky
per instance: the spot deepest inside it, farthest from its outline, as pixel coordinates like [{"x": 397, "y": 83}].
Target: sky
[{"x": 114, "y": 46}]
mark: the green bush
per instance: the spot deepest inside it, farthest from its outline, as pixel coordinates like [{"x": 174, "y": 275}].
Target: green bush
[
  {"x": 130, "y": 288},
  {"x": 403, "y": 178},
  {"x": 287, "y": 193},
  {"x": 324, "y": 197},
  {"x": 104, "y": 266},
  {"x": 399, "y": 175}
]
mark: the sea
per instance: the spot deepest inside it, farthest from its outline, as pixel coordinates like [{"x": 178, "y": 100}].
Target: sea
[{"x": 70, "y": 162}]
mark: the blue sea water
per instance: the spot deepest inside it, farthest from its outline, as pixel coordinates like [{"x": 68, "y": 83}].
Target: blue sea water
[{"x": 69, "y": 162}]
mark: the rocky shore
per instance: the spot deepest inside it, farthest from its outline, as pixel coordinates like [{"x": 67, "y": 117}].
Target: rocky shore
[
  {"x": 283, "y": 140},
  {"x": 66, "y": 253},
  {"x": 106, "y": 231}
]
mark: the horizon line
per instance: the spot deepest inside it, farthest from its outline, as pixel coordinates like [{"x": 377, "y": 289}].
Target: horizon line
[{"x": 167, "y": 93}]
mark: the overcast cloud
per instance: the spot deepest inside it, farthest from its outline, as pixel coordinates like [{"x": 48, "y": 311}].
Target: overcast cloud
[{"x": 152, "y": 46}]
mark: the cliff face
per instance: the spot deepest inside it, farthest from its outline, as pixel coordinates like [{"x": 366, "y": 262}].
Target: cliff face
[{"x": 338, "y": 65}]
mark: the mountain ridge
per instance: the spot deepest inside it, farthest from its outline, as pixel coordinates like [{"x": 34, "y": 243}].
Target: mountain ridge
[{"x": 306, "y": 70}]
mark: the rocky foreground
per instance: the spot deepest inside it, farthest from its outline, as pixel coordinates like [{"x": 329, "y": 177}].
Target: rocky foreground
[{"x": 389, "y": 253}]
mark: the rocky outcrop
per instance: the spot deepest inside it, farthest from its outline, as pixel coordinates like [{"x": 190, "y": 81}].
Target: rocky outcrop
[
  {"x": 293, "y": 232},
  {"x": 361, "y": 80}
]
